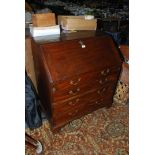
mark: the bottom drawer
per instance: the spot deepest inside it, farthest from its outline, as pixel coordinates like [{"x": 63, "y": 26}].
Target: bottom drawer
[{"x": 61, "y": 118}]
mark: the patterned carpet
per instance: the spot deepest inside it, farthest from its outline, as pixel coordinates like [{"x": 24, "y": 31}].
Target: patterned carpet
[{"x": 103, "y": 132}]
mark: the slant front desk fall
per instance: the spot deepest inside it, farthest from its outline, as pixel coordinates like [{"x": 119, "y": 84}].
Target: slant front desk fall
[{"x": 76, "y": 74}]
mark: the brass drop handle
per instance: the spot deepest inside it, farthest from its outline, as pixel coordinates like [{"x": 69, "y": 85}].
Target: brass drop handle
[
  {"x": 103, "y": 81},
  {"x": 74, "y": 92},
  {"x": 97, "y": 102},
  {"x": 100, "y": 81},
  {"x": 73, "y": 113},
  {"x": 106, "y": 79},
  {"x": 101, "y": 91},
  {"x": 103, "y": 72},
  {"x": 53, "y": 89},
  {"x": 74, "y": 102},
  {"x": 108, "y": 70},
  {"x": 75, "y": 83},
  {"x": 82, "y": 44}
]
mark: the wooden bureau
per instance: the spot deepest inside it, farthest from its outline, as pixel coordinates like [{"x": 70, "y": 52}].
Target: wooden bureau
[{"x": 76, "y": 74}]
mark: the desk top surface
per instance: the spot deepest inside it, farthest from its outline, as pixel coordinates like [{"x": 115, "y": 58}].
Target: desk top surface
[{"x": 64, "y": 35}]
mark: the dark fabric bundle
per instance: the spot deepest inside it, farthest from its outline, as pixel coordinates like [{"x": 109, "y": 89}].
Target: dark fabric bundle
[{"x": 32, "y": 105}]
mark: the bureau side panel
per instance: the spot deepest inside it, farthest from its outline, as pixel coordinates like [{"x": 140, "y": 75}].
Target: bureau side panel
[{"x": 43, "y": 79}]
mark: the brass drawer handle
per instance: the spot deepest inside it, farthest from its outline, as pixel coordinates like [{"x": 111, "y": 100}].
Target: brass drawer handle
[
  {"x": 108, "y": 70},
  {"x": 53, "y": 89},
  {"x": 98, "y": 103},
  {"x": 74, "y": 102},
  {"x": 106, "y": 79},
  {"x": 100, "y": 81},
  {"x": 103, "y": 81},
  {"x": 71, "y": 92},
  {"x": 101, "y": 91},
  {"x": 103, "y": 72},
  {"x": 73, "y": 113},
  {"x": 75, "y": 83}
]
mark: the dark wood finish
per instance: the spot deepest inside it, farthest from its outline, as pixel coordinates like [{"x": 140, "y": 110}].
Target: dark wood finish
[
  {"x": 76, "y": 74},
  {"x": 125, "y": 51}
]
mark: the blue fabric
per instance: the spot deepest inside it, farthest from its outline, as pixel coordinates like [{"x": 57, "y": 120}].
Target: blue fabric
[
  {"x": 116, "y": 36},
  {"x": 32, "y": 105}
]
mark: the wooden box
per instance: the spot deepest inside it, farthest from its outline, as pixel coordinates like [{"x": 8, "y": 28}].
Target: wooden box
[
  {"x": 76, "y": 75},
  {"x": 77, "y": 23},
  {"x": 43, "y": 19}
]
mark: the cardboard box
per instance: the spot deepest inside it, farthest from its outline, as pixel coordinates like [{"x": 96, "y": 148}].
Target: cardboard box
[
  {"x": 61, "y": 17},
  {"x": 43, "y": 19},
  {"x": 77, "y": 23}
]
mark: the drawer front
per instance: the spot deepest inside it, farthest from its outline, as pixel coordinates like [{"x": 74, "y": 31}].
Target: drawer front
[
  {"x": 74, "y": 103},
  {"x": 74, "y": 109},
  {"x": 81, "y": 84},
  {"x": 60, "y": 119}
]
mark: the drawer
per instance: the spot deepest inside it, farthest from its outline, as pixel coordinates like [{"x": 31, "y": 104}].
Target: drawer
[
  {"x": 74, "y": 102},
  {"x": 83, "y": 100},
  {"x": 81, "y": 84},
  {"x": 73, "y": 109},
  {"x": 102, "y": 101},
  {"x": 60, "y": 119}
]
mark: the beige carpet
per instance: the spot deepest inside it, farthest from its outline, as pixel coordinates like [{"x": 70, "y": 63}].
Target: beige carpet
[{"x": 103, "y": 132}]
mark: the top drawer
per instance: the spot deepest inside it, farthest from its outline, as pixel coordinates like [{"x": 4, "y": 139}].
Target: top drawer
[{"x": 66, "y": 59}]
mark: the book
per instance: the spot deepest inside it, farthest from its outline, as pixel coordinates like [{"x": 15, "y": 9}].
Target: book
[{"x": 43, "y": 31}]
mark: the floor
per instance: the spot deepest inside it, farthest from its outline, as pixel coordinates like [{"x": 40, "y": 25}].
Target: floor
[{"x": 103, "y": 132}]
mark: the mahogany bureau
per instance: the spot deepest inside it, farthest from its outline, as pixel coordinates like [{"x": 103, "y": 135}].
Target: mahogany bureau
[{"x": 76, "y": 74}]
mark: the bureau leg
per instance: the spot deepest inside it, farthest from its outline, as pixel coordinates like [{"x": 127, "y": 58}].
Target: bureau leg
[
  {"x": 57, "y": 130},
  {"x": 108, "y": 105}
]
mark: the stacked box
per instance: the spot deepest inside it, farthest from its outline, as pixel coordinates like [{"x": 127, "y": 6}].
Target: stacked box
[
  {"x": 43, "y": 19},
  {"x": 77, "y": 23}
]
